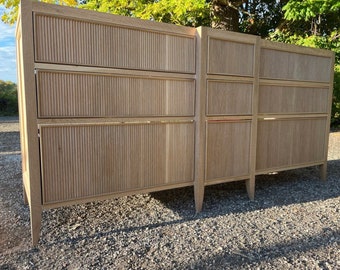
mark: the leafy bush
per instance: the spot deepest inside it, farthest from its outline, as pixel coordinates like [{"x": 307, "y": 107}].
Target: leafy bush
[
  {"x": 8, "y": 99},
  {"x": 335, "y": 120}
]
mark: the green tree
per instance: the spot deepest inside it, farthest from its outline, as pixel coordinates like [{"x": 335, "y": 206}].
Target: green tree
[
  {"x": 186, "y": 12},
  {"x": 12, "y": 7},
  {"x": 226, "y": 14},
  {"x": 318, "y": 17},
  {"x": 250, "y": 16},
  {"x": 257, "y": 17},
  {"x": 8, "y": 98}
]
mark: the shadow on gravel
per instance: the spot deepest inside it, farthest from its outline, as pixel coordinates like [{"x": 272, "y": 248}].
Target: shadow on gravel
[
  {"x": 284, "y": 188},
  {"x": 236, "y": 259},
  {"x": 233, "y": 259}
]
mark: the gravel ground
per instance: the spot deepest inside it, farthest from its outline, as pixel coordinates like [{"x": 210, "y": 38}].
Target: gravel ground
[{"x": 292, "y": 224}]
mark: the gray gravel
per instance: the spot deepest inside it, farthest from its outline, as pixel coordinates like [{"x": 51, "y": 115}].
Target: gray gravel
[{"x": 292, "y": 224}]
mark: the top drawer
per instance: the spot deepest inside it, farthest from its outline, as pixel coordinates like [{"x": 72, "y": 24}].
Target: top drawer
[
  {"x": 284, "y": 65},
  {"x": 69, "y": 41},
  {"x": 227, "y": 57}
]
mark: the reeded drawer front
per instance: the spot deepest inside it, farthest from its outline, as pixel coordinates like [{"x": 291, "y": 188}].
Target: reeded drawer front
[
  {"x": 289, "y": 142},
  {"x": 66, "y": 94},
  {"x": 67, "y": 41},
  {"x": 290, "y": 99},
  {"x": 89, "y": 160},
  {"x": 227, "y": 149},
  {"x": 285, "y": 65},
  {"x": 226, "y": 57},
  {"x": 229, "y": 98}
]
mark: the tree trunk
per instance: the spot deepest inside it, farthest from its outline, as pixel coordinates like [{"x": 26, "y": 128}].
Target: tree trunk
[{"x": 225, "y": 14}]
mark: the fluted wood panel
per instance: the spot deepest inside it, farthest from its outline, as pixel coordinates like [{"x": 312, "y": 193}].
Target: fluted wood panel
[
  {"x": 227, "y": 149},
  {"x": 230, "y": 58},
  {"x": 229, "y": 98},
  {"x": 67, "y": 41},
  {"x": 90, "y": 160},
  {"x": 287, "y": 142},
  {"x": 290, "y": 99},
  {"x": 277, "y": 64},
  {"x": 65, "y": 94}
]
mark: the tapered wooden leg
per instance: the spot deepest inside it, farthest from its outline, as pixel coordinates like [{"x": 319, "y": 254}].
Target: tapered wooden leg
[
  {"x": 199, "y": 196},
  {"x": 250, "y": 184},
  {"x": 323, "y": 171},
  {"x": 24, "y": 194},
  {"x": 36, "y": 213}
]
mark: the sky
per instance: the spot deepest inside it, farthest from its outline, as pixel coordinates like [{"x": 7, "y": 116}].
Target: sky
[{"x": 7, "y": 52}]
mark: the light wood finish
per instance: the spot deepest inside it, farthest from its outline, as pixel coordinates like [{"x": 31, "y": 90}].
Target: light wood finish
[
  {"x": 200, "y": 111},
  {"x": 302, "y": 50},
  {"x": 112, "y": 106},
  {"x": 65, "y": 94},
  {"x": 28, "y": 116},
  {"x": 301, "y": 86},
  {"x": 292, "y": 167},
  {"x": 23, "y": 143},
  {"x": 112, "y": 71},
  {"x": 109, "y": 19},
  {"x": 93, "y": 44},
  {"x": 112, "y": 121},
  {"x": 229, "y": 98},
  {"x": 288, "y": 65},
  {"x": 228, "y": 146},
  {"x": 323, "y": 167},
  {"x": 113, "y": 158},
  {"x": 250, "y": 183},
  {"x": 232, "y": 75},
  {"x": 287, "y": 142},
  {"x": 289, "y": 99},
  {"x": 230, "y": 58}
]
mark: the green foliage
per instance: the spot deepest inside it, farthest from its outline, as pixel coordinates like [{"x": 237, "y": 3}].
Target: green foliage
[
  {"x": 10, "y": 14},
  {"x": 335, "y": 120},
  {"x": 120, "y": 7},
  {"x": 186, "y": 12},
  {"x": 307, "y": 9},
  {"x": 260, "y": 17},
  {"x": 8, "y": 99},
  {"x": 254, "y": 16},
  {"x": 318, "y": 17}
]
